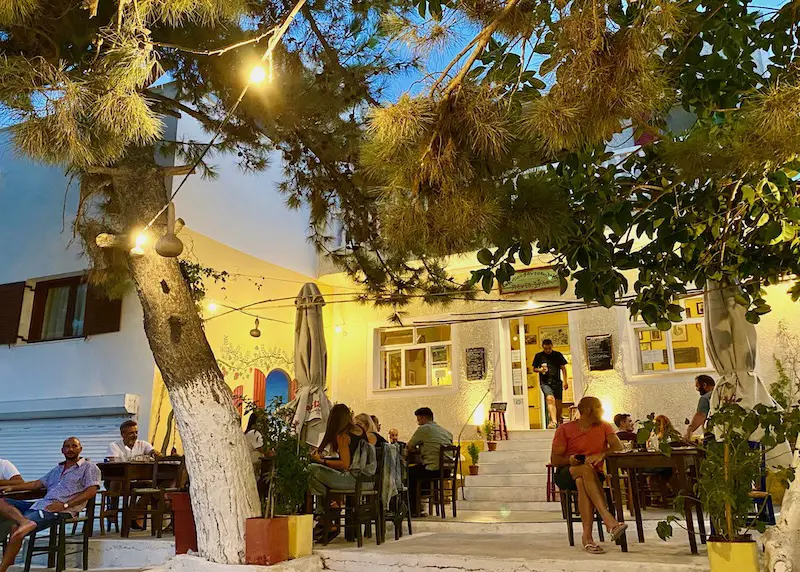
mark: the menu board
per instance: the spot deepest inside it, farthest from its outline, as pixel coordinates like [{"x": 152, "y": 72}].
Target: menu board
[
  {"x": 599, "y": 352},
  {"x": 476, "y": 364}
]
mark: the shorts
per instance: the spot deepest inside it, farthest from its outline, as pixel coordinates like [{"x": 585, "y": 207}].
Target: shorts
[
  {"x": 43, "y": 519},
  {"x": 556, "y": 392},
  {"x": 564, "y": 480}
]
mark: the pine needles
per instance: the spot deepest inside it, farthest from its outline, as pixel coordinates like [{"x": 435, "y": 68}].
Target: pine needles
[{"x": 14, "y": 12}]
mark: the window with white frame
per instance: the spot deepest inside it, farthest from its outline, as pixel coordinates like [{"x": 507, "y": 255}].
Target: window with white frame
[
  {"x": 415, "y": 357},
  {"x": 681, "y": 348}
]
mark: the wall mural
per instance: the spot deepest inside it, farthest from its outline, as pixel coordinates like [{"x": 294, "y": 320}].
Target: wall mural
[{"x": 258, "y": 373}]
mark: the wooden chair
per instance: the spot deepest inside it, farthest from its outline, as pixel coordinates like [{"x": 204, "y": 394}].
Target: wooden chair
[
  {"x": 448, "y": 475},
  {"x": 551, "y": 485},
  {"x": 110, "y": 507},
  {"x": 153, "y": 498},
  {"x": 362, "y": 507},
  {"x": 570, "y": 512},
  {"x": 58, "y": 540},
  {"x": 399, "y": 506}
]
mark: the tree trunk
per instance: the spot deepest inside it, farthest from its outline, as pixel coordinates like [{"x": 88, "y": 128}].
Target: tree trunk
[
  {"x": 223, "y": 487},
  {"x": 782, "y": 541}
]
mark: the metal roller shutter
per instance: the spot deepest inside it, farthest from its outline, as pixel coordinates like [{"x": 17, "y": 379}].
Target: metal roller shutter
[{"x": 34, "y": 445}]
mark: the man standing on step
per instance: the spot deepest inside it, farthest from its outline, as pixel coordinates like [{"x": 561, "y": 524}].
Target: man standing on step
[
  {"x": 579, "y": 451},
  {"x": 551, "y": 365}
]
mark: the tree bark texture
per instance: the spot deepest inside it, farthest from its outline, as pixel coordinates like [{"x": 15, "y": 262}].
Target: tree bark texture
[
  {"x": 782, "y": 541},
  {"x": 223, "y": 487}
]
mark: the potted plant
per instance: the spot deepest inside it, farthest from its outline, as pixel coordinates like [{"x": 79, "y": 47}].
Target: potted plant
[
  {"x": 487, "y": 429},
  {"x": 283, "y": 532},
  {"x": 732, "y": 463},
  {"x": 472, "y": 451}
]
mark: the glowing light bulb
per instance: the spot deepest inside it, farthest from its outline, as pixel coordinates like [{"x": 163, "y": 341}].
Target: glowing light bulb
[
  {"x": 258, "y": 74},
  {"x": 338, "y": 329},
  {"x": 531, "y": 304},
  {"x": 141, "y": 240},
  {"x": 212, "y": 306}
]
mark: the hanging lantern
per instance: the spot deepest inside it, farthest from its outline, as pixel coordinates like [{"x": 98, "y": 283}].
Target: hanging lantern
[
  {"x": 169, "y": 245},
  {"x": 255, "y": 332}
]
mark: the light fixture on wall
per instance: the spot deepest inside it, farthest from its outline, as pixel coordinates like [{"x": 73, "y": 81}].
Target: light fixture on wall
[
  {"x": 532, "y": 304},
  {"x": 255, "y": 332}
]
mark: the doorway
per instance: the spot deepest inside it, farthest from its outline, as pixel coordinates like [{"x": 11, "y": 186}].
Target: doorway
[{"x": 526, "y": 334}]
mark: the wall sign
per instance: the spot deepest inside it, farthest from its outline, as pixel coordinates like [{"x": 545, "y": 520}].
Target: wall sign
[
  {"x": 600, "y": 352},
  {"x": 530, "y": 280},
  {"x": 476, "y": 364}
]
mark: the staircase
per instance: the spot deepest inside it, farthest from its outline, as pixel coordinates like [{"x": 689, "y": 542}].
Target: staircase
[{"x": 513, "y": 478}]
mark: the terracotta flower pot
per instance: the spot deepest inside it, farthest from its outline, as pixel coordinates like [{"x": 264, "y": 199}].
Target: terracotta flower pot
[
  {"x": 473, "y": 470},
  {"x": 301, "y": 535},
  {"x": 492, "y": 445},
  {"x": 266, "y": 540},
  {"x": 185, "y": 533},
  {"x": 740, "y": 556}
]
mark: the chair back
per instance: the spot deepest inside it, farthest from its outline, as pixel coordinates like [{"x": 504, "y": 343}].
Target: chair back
[
  {"x": 448, "y": 460},
  {"x": 168, "y": 470}
]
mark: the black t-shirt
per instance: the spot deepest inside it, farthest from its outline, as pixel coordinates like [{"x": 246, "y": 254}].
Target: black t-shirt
[{"x": 554, "y": 361}]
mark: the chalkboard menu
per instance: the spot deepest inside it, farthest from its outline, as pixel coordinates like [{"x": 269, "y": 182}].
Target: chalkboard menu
[
  {"x": 476, "y": 364},
  {"x": 599, "y": 352}
]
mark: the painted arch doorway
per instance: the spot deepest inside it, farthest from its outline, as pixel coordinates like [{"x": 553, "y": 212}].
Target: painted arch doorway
[{"x": 266, "y": 388}]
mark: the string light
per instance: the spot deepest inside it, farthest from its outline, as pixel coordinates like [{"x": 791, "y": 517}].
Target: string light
[
  {"x": 141, "y": 240},
  {"x": 258, "y": 74},
  {"x": 255, "y": 332},
  {"x": 212, "y": 306},
  {"x": 338, "y": 329}
]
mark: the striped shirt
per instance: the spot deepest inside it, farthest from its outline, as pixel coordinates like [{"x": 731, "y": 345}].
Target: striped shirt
[{"x": 64, "y": 483}]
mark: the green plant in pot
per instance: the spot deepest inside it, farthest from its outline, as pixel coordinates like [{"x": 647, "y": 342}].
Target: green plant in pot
[
  {"x": 284, "y": 483},
  {"x": 487, "y": 430},
  {"x": 733, "y": 463},
  {"x": 474, "y": 454}
]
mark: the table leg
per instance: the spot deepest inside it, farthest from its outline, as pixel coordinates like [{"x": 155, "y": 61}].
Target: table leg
[
  {"x": 126, "y": 506},
  {"x": 633, "y": 476},
  {"x": 619, "y": 507},
  {"x": 680, "y": 466},
  {"x": 701, "y": 521}
]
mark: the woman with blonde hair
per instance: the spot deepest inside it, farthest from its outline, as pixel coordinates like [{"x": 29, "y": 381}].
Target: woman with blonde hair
[{"x": 366, "y": 423}]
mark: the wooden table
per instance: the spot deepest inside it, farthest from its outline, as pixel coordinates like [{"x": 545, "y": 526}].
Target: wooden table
[
  {"x": 25, "y": 495},
  {"x": 681, "y": 461},
  {"x": 126, "y": 473}
]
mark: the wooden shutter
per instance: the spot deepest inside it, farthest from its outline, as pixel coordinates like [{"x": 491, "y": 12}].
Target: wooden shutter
[
  {"x": 102, "y": 314},
  {"x": 10, "y": 311},
  {"x": 259, "y": 388}
]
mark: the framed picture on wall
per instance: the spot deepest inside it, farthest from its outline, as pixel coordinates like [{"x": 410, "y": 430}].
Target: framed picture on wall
[
  {"x": 656, "y": 336},
  {"x": 644, "y": 346},
  {"x": 558, "y": 334},
  {"x": 679, "y": 333},
  {"x": 701, "y": 308},
  {"x": 531, "y": 340}
]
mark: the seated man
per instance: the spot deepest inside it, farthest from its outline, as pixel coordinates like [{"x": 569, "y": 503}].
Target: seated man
[
  {"x": 69, "y": 486},
  {"x": 624, "y": 425},
  {"x": 130, "y": 446},
  {"x": 579, "y": 449},
  {"x": 428, "y": 439},
  {"x": 9, "y": 475},
  {"x": 394, "y": 437}
]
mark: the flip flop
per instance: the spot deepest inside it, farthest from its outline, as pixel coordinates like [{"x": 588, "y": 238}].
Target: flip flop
[
  {"x": 593, "y": 548},
  {"x": 618, "y": 531}
]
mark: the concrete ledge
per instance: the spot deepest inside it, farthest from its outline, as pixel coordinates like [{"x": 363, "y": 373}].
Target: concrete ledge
[
  {"x": 186, "y": 563},
  {"x": 122, "y": 553},
  {"x": 88, "y": 406}
]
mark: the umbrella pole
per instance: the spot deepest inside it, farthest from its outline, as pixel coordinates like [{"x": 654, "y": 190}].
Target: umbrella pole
[{"x": 728, "y": 511}]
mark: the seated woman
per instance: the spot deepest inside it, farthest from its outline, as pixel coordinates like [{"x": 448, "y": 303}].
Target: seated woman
[
  {"x": 661, "y": 479},
  {"x": 368, "y": 426},
  {"x": 342, "y": 437}
]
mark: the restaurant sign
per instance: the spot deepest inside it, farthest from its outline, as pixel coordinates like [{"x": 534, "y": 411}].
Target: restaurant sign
[{"x": 530, "y": 280}]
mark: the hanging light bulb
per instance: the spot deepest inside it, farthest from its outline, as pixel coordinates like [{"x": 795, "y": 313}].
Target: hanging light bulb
[
  {"x": 258, "y": 74},
  {"x": 169, "y": 245},
  {"x": 212, "y": 306},
  {"x": 338, "y": 329},
  {"x": 141, "y": 240},
  {"x": 255, "y": 332}
]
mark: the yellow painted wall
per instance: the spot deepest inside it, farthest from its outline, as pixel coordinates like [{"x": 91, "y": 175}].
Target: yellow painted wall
[{"x": 237, "y": 352}]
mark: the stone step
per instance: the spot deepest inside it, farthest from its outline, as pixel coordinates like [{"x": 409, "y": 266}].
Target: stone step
[
  {"x": 504, "y": 494},
  {"x": 524, "y": 445},
  {"x": 503, "y": 468},
  {"x": 532, "y": 435},
  {"x": 507, "y": 480},
  {"x": 542, "y": 456},
  {"x": 509, "y": 506}
]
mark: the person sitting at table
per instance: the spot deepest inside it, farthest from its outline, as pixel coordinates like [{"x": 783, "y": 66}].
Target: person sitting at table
[
  {"x": 9, "y": 475},
  {"x": 428, "y": 439},
  {"x": 579, "y": 451},
  {"x": 368, "y": 426},
  {"x": 342, "y": 437},
  {"x": 68, "y": 487},
  {"x": 394, "y": 437},
  {"x": 377, "y": 423},
  {"x": 624, "y": 425},
  {"x": 130, "y": 446}
]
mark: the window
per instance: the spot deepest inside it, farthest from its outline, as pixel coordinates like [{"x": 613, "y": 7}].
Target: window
[
  {"x": 681, "y": 348},
  {"x": 415, "y": 357},
  {"x": 71, "y": 308}
]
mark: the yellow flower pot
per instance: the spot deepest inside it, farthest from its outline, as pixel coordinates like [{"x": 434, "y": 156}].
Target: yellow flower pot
[
  {"x": 733, "y": 556},
  {"x": 301, "y": 535}
]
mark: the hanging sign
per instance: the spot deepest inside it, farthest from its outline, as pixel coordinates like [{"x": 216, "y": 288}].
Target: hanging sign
[
  {"x": 599, "y": 352},
  {"x": 476, "y": 364},
  {"x": 530, "y": 280}
]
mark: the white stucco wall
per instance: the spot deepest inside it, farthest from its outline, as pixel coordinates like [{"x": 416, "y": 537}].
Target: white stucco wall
[
  {"x": 245, "y": 210},
  {"x": 34, "y": 246}
]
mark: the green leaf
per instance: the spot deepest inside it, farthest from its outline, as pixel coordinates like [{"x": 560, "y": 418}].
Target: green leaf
[
  {"x": 752, "y": 317},
  {"x": 793, "y": 214},
  {"x": 664, "y": 324},
  {"x": 485, "y": 257},
  {"x": 665, "y": 448},
  {"x": 487, "y": 282},
  {"x": 526, "y": 253},
  {"x": 547, "y": 66},
  {"x": 664, "y": 530},
  {"x": 562, "y": 284}
]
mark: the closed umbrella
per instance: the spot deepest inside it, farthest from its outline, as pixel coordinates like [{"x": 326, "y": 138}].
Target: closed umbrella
[
  {"x": 311, "y": 405},
  {"x": 732, "y": 348}
]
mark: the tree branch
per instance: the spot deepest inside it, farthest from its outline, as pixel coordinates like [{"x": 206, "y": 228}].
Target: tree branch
[
  {"x": 177, "y": 170},
  {"x": 219, "y": 51}
]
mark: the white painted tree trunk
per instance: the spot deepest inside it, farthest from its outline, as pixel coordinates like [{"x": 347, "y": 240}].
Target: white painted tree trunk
[
  {"x": 782, "y": 541},
  {"x": 219, "y": 464}
]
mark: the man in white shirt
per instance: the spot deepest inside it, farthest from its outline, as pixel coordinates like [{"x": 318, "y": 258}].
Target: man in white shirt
[
  {"x": 9, "y": 475},
  {"x": 129, "y": 447}
]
